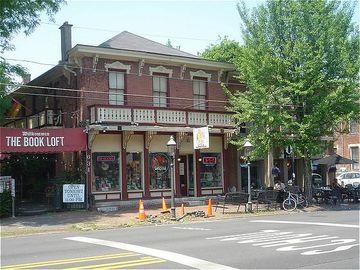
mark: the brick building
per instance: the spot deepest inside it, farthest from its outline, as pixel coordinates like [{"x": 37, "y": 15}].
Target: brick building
[{"x": 131, "y": 94}]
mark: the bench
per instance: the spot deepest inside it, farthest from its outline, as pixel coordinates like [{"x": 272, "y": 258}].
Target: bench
[
  {"x": 268, "y": 197},
  {"x": 232, "y": 198}
]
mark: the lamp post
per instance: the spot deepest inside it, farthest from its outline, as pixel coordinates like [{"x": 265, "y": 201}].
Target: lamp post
[
  {"x": 171, "y": 147},
  {"x": 247, "y": 149}
]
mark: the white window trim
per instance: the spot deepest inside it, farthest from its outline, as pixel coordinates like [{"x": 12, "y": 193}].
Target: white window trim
[
  {"x": 118, "y": 65},
  {"x": 200, "y": 73},
  {"x": 354, "y": 145},
  {"x": 161, "y": 69}
]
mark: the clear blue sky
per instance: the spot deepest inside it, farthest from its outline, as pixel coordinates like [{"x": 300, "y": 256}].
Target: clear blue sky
[{"x": 192, "y": 25}]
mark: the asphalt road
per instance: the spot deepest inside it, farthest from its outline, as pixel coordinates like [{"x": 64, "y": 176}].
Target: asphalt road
[{"x": 321, "y": 240}]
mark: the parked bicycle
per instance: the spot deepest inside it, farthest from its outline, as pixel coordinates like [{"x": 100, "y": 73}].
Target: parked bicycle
[{"x": 294, "y": 200}]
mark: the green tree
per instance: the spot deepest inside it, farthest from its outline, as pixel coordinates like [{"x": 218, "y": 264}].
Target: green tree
[
  {"x": 18, "y": 16},
  {"x": 300, "y": 62},
  {"x": 225, "y": 50}
]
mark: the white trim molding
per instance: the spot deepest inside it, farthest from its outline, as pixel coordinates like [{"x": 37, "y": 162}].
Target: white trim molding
[
  {"x": 161, "y": 69},
  {"x": 200, "y": 73},
  {"x": 118, "y": 65}
]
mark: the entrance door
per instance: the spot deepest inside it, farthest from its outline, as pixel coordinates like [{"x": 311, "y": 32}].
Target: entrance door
[
  {"x": 183, "y": 175},
  {"x": 190, "y": 174}
]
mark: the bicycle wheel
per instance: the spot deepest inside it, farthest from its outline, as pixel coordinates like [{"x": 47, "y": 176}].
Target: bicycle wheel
[
  {"x": 303, "y": 203},
  {"x": 289, "y": 204}
]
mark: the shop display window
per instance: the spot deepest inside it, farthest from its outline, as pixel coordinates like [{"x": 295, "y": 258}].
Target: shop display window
[
  {"x": 134, "y": 171},
  {"x": 106, "y": 172},
  {"x": 159, "y": 170},
  {"x": 211, "y": 170}
]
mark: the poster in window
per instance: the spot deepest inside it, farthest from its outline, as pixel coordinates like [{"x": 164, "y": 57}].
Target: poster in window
[
  {"x": 159, "y": 170},
  {"x": 106, "y": 172}
]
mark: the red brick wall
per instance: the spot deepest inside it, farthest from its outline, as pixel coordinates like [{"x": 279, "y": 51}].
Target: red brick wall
[
  {"x": 142, "y": 85},
  {"x": 342, "y": 144}
]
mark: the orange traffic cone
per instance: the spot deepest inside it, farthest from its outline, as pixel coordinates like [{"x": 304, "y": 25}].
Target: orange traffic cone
[
  {"x": 164, "y": 207},
  {"x": 182, "y": 209},
  {"x": 142, "y": 215},
  {"x": 209, "y": 210}
]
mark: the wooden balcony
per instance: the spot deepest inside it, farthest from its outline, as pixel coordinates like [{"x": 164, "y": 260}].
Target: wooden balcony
[
  {"x": 46, "y": 118},
  {"x": 107, "y": 114}
]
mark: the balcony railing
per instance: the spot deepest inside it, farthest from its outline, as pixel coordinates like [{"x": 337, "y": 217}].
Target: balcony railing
[
  {"x": 44, "y": 118},
  {"x": 159, "y": 116}
]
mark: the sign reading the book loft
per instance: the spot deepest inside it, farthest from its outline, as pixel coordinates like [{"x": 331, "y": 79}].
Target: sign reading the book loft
[
  {"x": 73, "y": 193},
  {"x": 42, "y": 140},
  {"x": 201, "y": 138}
]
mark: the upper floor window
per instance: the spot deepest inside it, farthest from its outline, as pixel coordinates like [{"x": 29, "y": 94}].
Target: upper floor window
[
  {"x": 353, "y": 127},
  {"x": 116, "y": 88},
  {"x": 160, "y": 89},
  {"x": 354, "y": 155},
  {"x": 199, "y": 93}
]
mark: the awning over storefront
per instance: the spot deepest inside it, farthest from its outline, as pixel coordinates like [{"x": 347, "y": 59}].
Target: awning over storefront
[{"x": 16, "y": 140}]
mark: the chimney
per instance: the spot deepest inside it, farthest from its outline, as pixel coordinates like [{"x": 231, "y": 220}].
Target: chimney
[
  {"x": 26, "y": 78},
  {"x": 65, "y": 40}
]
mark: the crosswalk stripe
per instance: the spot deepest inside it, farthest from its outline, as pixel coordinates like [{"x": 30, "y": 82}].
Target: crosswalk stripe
[
  {"x": 68, "y": 261},
  {"x": 116, "y": 264}
]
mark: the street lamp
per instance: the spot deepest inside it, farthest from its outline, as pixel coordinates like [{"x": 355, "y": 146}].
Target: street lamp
[
  {"x": 247, "y": 149},
  {"x": 171, "y": 147}
]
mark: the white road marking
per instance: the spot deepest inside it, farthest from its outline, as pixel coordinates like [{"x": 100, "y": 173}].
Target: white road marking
[
  {"x": 167, "y": 255},
  {"x": 276, "y": 238},
  {"x": 191, "y": 228},
  {"x": 244, "y": 234},
  {"x": 307, "y": 223}
]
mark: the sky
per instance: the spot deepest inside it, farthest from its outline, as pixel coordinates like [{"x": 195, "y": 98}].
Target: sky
[{"x": 192, "y": 25}]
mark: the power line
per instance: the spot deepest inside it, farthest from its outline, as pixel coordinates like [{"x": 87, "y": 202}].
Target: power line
[
  {"x": 118, "y": 31},
  {"x": 100, "y": 92},
  {"x": 107, "y": 71}
]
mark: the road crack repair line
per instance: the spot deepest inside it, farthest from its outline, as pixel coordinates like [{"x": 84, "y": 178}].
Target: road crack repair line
[
  {"x": 290, "y": 241},
  {"x": 162, "y": 254}
]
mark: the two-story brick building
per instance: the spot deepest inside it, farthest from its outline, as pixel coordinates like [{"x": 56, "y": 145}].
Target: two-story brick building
[{"x": 131, "y": 94}]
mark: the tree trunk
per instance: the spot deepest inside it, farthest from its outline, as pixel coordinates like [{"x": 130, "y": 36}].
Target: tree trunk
[{"x": 308, "y": 178}]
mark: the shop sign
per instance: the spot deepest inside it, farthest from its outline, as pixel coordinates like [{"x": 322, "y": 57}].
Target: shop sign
[
  {"x": 160, "y": 163},
  {"x": 201, "y": 138},
  {"x": 105, "y": 158},
  {"x": 42, "y": 140},
  {"x": 73, "y": 193},
  {"x": 209, "y": 160}
]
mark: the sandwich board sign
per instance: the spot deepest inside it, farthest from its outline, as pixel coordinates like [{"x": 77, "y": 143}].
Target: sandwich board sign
[{"x": 73, "y": 193}]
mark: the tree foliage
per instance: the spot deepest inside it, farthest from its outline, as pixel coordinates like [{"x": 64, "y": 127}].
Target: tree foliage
[
  {"x": 225, "y": 50},
  {"x": 15, "y": 17},
  {"x": 300, "y": 62}
]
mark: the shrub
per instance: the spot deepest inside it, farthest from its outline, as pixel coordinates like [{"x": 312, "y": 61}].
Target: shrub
[{"x": 5, "y": 203}]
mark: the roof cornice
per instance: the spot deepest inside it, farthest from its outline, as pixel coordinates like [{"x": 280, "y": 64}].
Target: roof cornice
[{"x": 87, "y": 50}]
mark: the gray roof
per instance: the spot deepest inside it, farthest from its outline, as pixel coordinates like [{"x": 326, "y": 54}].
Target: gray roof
[{"x": 129, "y": 41}]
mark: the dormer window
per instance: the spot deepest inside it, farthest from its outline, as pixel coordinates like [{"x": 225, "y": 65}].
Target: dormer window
[{"x": 116, "y": 87}]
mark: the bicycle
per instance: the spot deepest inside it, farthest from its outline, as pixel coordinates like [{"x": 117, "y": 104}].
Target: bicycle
[{"x": 294, "y": 200}]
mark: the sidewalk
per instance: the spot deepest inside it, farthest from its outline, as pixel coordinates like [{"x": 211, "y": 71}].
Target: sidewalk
[{"x": 83, "y": 220}]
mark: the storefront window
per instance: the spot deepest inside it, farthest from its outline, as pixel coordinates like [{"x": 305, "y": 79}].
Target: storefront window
[
  {"x": 211, "y": 170},
  {"x": 159, "y": 170},
  {"x": 106, "y": 172},
  {"x": 134, "y": 171}
]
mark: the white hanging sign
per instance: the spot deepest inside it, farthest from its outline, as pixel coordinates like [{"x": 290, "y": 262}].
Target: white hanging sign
[{"x": 201, "y": 138}]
